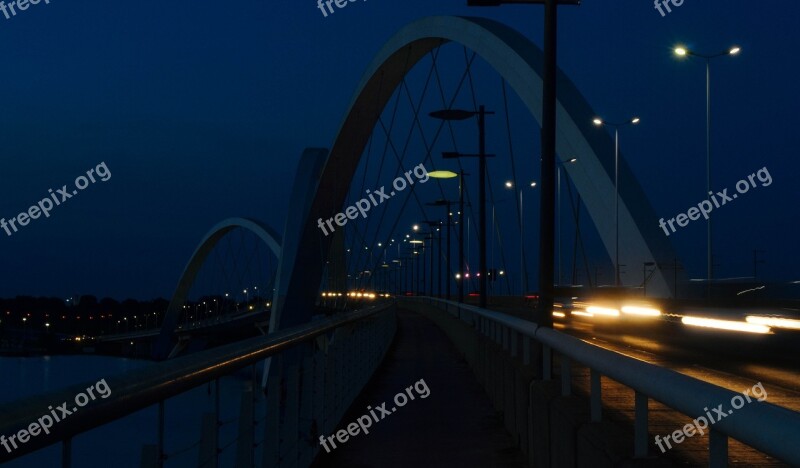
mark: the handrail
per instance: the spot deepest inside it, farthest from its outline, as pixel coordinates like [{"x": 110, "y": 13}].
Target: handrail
[
  {"x": 144, "y": 387},
  {"x": 771, "y": 429}
]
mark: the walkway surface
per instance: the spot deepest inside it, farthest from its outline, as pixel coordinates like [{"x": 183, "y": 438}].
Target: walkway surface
[{"x": 455, "y": 426}]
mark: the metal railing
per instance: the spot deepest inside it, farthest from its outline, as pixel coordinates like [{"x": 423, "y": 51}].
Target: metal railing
[
  {"x": 771, "y": 429},
  {"x": 334, "y": 375}
]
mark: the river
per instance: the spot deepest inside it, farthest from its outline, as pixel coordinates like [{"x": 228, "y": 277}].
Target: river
[{"x": 119, "y": 443}]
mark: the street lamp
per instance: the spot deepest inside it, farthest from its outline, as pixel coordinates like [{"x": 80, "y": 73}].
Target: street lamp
[
  {"x": 523, "y": 273},
  {"x": 548, "y": 132},
  {"x": 683, "y": 52},
  {"x": 438, "y": 225},
  {"x": 600, "y": 122},
  {"x": 448, "y": 214},
  {"x": 644, "y": 276},
  {"x": 447, "y": 175},
  {"x": 456, "y": 114},
  {"x": 559, "y": 165}
]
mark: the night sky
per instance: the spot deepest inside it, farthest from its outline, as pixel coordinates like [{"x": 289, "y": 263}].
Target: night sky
[{"x": 200, "y": 111}]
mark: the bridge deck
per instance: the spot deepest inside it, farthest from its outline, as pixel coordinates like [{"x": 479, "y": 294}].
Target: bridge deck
[{"x": 454, "y": 426}]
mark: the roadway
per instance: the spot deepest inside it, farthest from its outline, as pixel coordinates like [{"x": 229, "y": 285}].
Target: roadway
[{"x": 731, "y": 359}]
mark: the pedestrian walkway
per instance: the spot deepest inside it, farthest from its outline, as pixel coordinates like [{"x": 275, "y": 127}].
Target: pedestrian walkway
[{"x": 455, "y": 426}]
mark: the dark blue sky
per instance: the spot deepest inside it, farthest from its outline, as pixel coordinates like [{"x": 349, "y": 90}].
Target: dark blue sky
[{"x": 200, "y": 111}]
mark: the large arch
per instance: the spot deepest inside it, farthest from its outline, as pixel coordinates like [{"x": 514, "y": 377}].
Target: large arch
[
  {"x": 210, "y": 240},
  {"x": 519, "y": 61}
]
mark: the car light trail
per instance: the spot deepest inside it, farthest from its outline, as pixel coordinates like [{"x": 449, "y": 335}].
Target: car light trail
[
  {"x": 602, "y": 311},
  {"x": 559, "y": 314},
  {"x": 725, "y": 325},
  {"x": 644, "y": 311},
  {"x": 774, "y": 322},
  {"x": 582, "y": 314}
]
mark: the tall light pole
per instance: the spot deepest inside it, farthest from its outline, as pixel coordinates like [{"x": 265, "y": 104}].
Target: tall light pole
[
  {"x": 448, "y": 215},
  {"x": 559, "y": 166},
  {"x": 438, "y": 226},
  {"x": 600, "y": 122},
  {"x": 683, "y": 52},
  {"x": 547, "y": 213},
  {"x": 456, "y": 114},
  {"x": 523, "y": 272}
]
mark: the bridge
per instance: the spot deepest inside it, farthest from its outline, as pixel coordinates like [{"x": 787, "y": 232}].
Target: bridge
[{"x": 357, "y": 310}]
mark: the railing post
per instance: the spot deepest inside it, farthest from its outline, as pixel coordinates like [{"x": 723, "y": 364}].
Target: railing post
[
  {"x": 218, "y": 424},
  {"x": 161, "y": 413},
  {"x": 244, "y": 445},
  {"x": 66, "y": 453},
  {"x": 319, "y": 392},
  {"x": 306, "y": 411},
  {"x": 547, "y": 362},
  {"x": 640, "y": 432},
  {"x": 526, "y": 350},
  {"x": 272, "y": 436},
  {"x": 566, "y": 376},
  {"x": 717, "y": 449},
  {"x": 292, "y": 416},
  {"x": 514, "y": 335},
  {"x": 208, "y": 442},
  {"x": 596, "y": 397}
]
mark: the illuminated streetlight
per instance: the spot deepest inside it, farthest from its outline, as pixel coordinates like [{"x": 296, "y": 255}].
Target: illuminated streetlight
[
  {"x": 682, "y": 52},
  {"x": 632, "y": 121},
  {"x": 559, "y": 165},
  {"x": 523, "y": 273},
  {"x": 442, "y": 174}
]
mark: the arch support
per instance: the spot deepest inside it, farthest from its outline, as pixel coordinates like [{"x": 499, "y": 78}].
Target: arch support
[
  {"x": 519, "y": 62},
  {"x": 196, "y": 261}
]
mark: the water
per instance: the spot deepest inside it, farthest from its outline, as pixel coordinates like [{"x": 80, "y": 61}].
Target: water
[{"x": 119, "y": 443}]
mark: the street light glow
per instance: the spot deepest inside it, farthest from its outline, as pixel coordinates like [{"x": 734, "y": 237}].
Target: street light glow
[
  {"x": 681, "y": 51},
  {"x": 442, "y": 174},
  {"x": 533, "y": 184},
  {"x": 509, "y": 184},
  {"x": 598, "y": 121},
  {"x": 635, "y": 120},
  {"x": 734, "y": 50}
]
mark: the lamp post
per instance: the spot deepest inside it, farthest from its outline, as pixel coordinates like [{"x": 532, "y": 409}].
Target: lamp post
[
  {"x": 448, "y": 214},
  {"x": 683, "y": 52},
  {"x": 644, "y": 276},
  {"x": 419, "y": 249},
  {"x": 455, "y": 114},
  {"x": 438, "y": 225},
  {"x": 548, "y": 132},
  {"x": 600, "y": 122},
  {"x": 523, "y": 272},
  {"x": 559, "y": 166}
]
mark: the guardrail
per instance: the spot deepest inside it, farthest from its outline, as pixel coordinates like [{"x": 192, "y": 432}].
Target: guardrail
[
  {"x": 333, "y": 375},
  {"x": 766, "y": 427}
]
